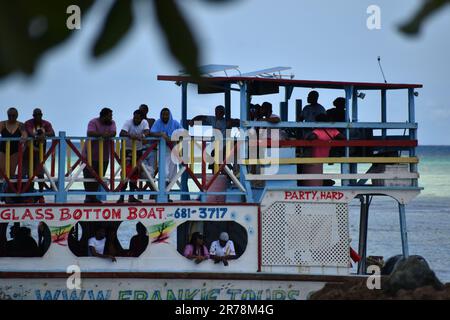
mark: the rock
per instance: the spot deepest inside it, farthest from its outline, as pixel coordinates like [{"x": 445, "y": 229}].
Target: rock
[
  {"x": 411, "y": 273},
  {"x": 411, "y": 278}
]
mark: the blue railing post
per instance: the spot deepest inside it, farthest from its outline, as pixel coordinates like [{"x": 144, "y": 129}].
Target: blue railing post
[
  {"x": 345, "y": 167},
  {"x": 61, "y": 195},
  {"x": 412, "y": 132},
  {"x": 162, "y": 195}
]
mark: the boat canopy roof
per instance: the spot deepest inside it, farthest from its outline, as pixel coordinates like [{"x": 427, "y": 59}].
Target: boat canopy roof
[{"x": 212, "y": 80}]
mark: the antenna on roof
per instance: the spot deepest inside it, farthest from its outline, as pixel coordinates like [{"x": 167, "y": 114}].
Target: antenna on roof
[{"x": 381, "y": 68}]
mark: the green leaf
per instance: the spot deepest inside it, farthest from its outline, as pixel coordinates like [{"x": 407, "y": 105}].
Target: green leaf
[
  {"x": 179, "y": 37},
  {"x": 117, "y": 24},
  {"x": 28, "y": 29},
  {"x": 429, "y": 7}
]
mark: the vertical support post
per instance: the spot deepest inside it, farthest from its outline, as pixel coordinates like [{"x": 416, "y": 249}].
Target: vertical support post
[
  {"x": 403, "y": 231},
  {"x": 345, "y": 167},
  {"x": 412, "y": 132},
  {"x": 354, "y": 166},
  {"x": 243, "y": 148},
  {"x": 162, "y": 195},
  {"x": 243, "y": 102},
  {"x": 184, "y": 176},
  {"x": 284, "y": 111},
  {"x": 227, "y": 102},
  {"x": 363, "y": 226},
  {"x": 61, "y": 195},
  {"x": 383, "y": 112}
]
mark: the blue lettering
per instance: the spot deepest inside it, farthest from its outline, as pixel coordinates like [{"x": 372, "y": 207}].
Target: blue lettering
[{"x": 233, "y": 293}]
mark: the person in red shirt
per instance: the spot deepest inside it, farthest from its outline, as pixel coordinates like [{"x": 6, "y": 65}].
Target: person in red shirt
[{"x": 39, "y": 129}]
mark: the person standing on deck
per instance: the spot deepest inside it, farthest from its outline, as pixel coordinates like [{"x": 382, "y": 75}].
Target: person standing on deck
[
  {"x": 164, "y": 127},
  {"x": 313, "y": 109},
  {"x": 337, "y": 114},
  {"x": 150, "y": 160},
  {"x": 11, "y": 128},
  {"x": 218, "y": 122},
  {"x": 135, "y": 130},
  {"x": 102, "y": 127},
  {"x": 39, "y": 129},
  {"x": 320, "y": 134}
]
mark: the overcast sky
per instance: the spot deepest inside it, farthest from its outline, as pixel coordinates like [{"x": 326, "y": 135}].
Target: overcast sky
[{"x": 322, "y": 40}]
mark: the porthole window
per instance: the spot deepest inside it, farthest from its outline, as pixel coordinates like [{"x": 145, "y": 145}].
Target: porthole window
[
  {"x": 207, "y": 240},
  {"x": 31, "y": 239}
]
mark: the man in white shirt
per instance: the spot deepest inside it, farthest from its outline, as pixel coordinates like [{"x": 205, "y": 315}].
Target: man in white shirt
[
  {"x": 222, "y": 249},
  {"x": 134, "y": 130},
  {"x": 97, "y": 245}
]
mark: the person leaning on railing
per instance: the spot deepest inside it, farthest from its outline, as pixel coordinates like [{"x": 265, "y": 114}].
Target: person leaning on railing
[
  {"x": 11, "y": 128},
  {"x": 101, "y": 127},
  {"x": 135, "y": 130},
  {"x": 39, "y": 129}
]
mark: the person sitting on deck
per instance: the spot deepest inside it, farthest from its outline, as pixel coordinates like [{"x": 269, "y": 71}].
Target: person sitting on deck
[
  {"x": 222, "y": 249},
  {"x": 101, "y": 127},
  {"x": 139, "y": 242},
  {"x": 164, "y": 127},
  {"x": 135, "y": 130},
  {"x": 39, "y": 129},
  {"x": 196, "y": 250},
  {"x": 97, "y": 245},
  {"x": 320, "y": 134}
]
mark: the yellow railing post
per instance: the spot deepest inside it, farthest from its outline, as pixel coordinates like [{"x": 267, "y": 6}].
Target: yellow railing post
[
  {"x": 118, "y": 147},
  {"x": 216, "y": 155},
  {"x": 133, "y": 153},
  {"x": 41, "y": 152},
  {"x": 30, "y": 158},
  {"x": 123, "y": 160},
  {"x": 192, "y": 153},
  {"x": 82, "y": 144},
  {"x": 100, "y": 158},
  {"x": 8, "y": 160},
  {"x": 89, "y": 151},
  {"x": 228, "y": 151},
  {"x": 68, "y": 157}
]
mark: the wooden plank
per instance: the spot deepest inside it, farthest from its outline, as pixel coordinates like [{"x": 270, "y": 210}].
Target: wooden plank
[
  {"x": 335, "y": 143},
  {"x": 390, "y": 176},
  {"x": 331, "y": 160}
]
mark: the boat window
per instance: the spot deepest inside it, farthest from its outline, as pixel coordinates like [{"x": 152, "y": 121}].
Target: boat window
[
  {"x": 82, "y": 231},
  {"x": 133, "y": 237},
  {"x": 31, "y": 239},
  {"x": 210, "y": 231}
]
